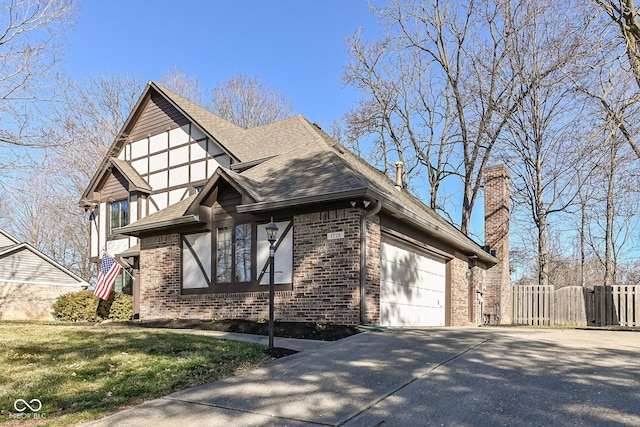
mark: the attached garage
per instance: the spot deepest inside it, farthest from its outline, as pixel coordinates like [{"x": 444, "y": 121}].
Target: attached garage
[{"x": 412, "y": 285}]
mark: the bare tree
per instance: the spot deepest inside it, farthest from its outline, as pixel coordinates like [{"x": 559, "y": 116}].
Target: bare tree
[
  {"x": 408, "y": 116},
  {"x": 87, "y": 121},
  {"x": 93, "y": 112},
  {"x": 545, "y": 147},
  {"x": 624, "y": 14},
  {"x": 613, "y": 211},
  {"x": 443, "y": 86},
  {"x": 30, "y": 44},
  {"x": 183, "y": 84},
  {"x": 248, "y": 102},
  {"x": 615, "y": 38}
]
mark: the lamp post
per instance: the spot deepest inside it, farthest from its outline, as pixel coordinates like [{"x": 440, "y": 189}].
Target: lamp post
[{"x": 272, "y": 232}]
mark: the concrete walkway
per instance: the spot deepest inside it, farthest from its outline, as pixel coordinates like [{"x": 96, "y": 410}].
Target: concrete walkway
[{"x": 452, "y": 376}]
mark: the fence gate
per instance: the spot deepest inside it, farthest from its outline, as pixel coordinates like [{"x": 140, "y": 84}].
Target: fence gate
[{"x": 576, "y": 306}]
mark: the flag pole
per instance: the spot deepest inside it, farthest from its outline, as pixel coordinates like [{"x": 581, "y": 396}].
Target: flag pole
[{"x": 123, "y": 267}]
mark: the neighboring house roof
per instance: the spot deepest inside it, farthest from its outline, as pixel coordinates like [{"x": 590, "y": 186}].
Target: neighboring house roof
[
  {"x": 6, "y": 240},
  {"x": 22, "y": 263}
]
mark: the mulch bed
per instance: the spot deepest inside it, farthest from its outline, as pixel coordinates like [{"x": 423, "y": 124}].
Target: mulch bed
[{"x": 299, "y": 330}]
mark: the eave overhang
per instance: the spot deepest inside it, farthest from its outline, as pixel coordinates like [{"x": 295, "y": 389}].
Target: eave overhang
[
  {"x": 455, "y": 239},
  {"x": 307, "y": 200},
  {"x": 459, "y": 241},
  {"x": 136, "y": 229}
]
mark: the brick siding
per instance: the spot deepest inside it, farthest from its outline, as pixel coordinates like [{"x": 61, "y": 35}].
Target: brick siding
[
  {"x": 459, "y": 292},
  {"x": 496, "y": 207},
  {"x": 23, "y": 301},
  {"x": 325, "y": 283},
  {"x": 326, "y": 278},
  {"x": 373, "y": 270}
]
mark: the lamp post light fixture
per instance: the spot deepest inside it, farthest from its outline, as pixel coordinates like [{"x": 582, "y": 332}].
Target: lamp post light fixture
[{"x": 272, "y": 233}]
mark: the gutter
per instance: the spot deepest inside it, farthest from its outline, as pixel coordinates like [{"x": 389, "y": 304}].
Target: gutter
[
  {"x": 283, "y": 204},
  {"x": 442, "y": 232},
  {"x": 463, "y": 243},
  {"x": 363, "y": 260}
]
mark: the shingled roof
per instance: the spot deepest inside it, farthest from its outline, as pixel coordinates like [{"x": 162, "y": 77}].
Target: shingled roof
[{"x": 292, "y": 162}]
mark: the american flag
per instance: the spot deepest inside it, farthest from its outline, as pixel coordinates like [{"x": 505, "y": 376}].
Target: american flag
[{"x": 109, "y": 270}]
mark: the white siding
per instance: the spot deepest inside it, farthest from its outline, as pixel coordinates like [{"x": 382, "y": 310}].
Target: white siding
[
  {"x": 196, "y": 261},
  {"x": 158, "y": 180},
  {"x": 139, "y": 148},
  {"x": 104, "y": 226},
  {"x": 93, "y": 229},
  {"x": 283, "y": 262},
  {"x": 198, "y": 171},
  {"x": 133, "y": 208},
  {"x": 179, "y": 176},
  {"x": 179, "y": 136},
  {"x": 141, "y": 166},
  {"x": 117, "y": 246},
  {"x": 176, "y": 195},
  {"x": 158, "y": 161},
  {"x": 198, "y": 151},
  {"x": 196, "y": 134},
  {"x": 159, "y": 142},
  {"x": 179, "y": 155}
]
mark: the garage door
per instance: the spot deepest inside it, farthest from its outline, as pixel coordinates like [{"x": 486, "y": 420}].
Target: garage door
[{"x": 412, "y": 286}]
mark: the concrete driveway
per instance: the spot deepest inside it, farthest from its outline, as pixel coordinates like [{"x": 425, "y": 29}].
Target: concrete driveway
[{"x": 450, "y": 377}]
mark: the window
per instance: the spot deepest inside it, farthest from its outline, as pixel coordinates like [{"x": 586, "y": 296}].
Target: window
[
  {"x": 233, "y": 260},
  {"x": 243, "y": 253},
  {"x": 119, "y": 214},
  {"x": 224, "y": 259},
  {"x": 234, "y": 257},
  {"x": 124, "y": 283}
]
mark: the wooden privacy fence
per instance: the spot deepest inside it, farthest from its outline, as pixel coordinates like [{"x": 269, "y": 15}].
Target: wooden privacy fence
[{"x": 576, "y": 306}]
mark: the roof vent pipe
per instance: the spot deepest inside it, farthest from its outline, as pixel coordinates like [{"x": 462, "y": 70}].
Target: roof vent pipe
[{"x": 399, "y": 174}]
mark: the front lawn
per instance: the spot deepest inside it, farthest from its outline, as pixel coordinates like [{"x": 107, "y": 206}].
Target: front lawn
[{"x": 80, "y": 373}]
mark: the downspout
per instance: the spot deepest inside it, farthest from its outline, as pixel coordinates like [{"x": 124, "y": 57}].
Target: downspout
[{"x": 363, "y": 260}]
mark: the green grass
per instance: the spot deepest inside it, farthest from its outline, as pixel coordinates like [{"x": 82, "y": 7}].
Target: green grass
[{"x": 80, "y": 373}]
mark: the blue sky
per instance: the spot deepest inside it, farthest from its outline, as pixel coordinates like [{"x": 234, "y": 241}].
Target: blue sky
[{"x": 296, "y": 47}]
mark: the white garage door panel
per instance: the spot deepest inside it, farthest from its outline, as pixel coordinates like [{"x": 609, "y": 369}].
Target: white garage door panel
[
  {"x": 421, "y": 278},
  {"x": 412, "y": 287},
  {"x": 410, "y": 295}
]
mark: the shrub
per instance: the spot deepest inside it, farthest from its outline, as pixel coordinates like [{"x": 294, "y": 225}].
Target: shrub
[
  {"x": 83, "y": 306},
  {"x": 121, "y": 307},
  {"x": 79, "y": 306}
]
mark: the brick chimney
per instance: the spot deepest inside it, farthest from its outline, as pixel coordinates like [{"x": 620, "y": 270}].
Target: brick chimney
[{"x": 496, "y": 233}]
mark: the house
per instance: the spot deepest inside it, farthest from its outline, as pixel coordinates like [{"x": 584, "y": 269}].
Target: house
[
  {"x": 183, "y": 197},
  {"x": 30, "y": 281}
]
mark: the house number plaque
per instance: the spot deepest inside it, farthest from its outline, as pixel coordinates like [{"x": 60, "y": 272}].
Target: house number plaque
[{"x": 335, "y": 235}]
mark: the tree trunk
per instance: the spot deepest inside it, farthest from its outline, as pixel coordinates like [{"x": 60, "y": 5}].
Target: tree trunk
[{"x": 609, "y": 214}]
